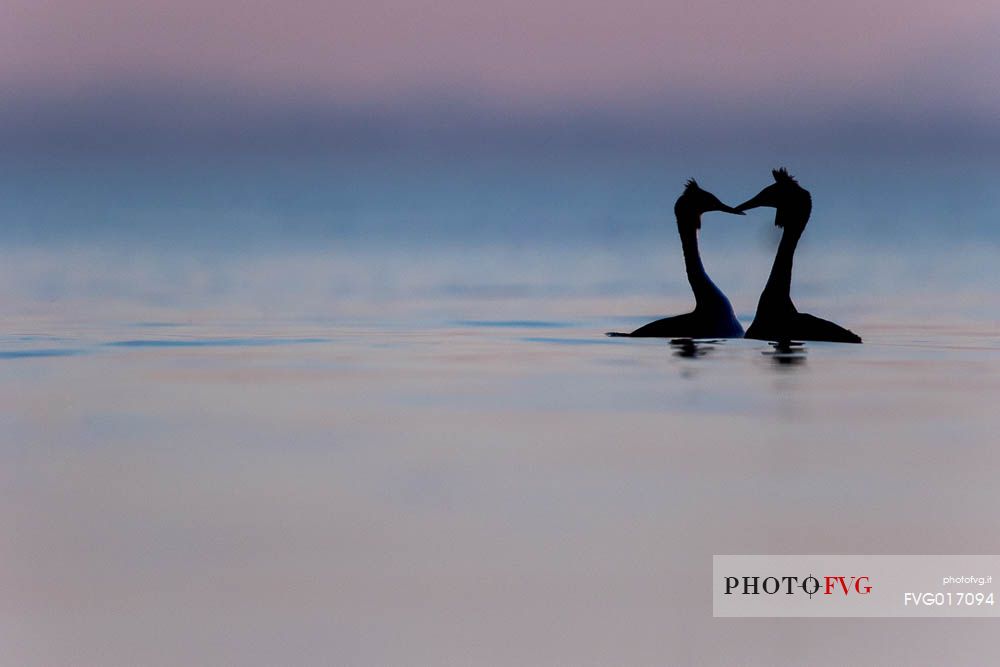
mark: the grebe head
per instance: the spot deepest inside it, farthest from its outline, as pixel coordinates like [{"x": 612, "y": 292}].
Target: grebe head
[
  {"x": 694, "y": 201},
  {"x": 791, "y": 201}
]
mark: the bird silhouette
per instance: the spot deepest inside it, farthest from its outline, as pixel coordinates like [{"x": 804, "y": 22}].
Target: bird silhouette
[
  {"x": 777, "y": 318},
  {"x": 713, "y": 315}
]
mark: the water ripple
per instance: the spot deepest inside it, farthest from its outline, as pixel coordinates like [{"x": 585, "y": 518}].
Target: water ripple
[
  {"x": 33, "y": 354},
  {"x": 215, "y": 342}
]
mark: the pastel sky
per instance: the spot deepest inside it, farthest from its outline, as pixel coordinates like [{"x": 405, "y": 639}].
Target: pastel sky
[
  {"x": 694, "y": 86},
  {"x": 518, "y": 51}
]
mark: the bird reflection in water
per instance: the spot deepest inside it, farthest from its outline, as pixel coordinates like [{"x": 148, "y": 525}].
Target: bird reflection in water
[
  {"x": 787, "y": 353},
  {"x": 690, "y": 348}
]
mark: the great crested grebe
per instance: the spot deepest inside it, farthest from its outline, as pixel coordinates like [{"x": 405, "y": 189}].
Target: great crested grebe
[
  {"x": 777, "y": 318},
  {"x": 713, "y": 315}
]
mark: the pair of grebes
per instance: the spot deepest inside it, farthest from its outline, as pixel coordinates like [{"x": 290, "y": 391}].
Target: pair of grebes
[{"x": 777, "y": 319}]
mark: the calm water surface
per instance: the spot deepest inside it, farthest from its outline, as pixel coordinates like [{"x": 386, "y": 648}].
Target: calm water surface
[{"x": 451, "y": 487}]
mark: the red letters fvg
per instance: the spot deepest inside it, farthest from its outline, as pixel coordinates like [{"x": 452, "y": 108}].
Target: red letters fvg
[{"x": 846, "y": 586}]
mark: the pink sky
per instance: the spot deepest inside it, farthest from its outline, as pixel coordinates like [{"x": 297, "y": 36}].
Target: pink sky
[{"x": 522, "y": 52}]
